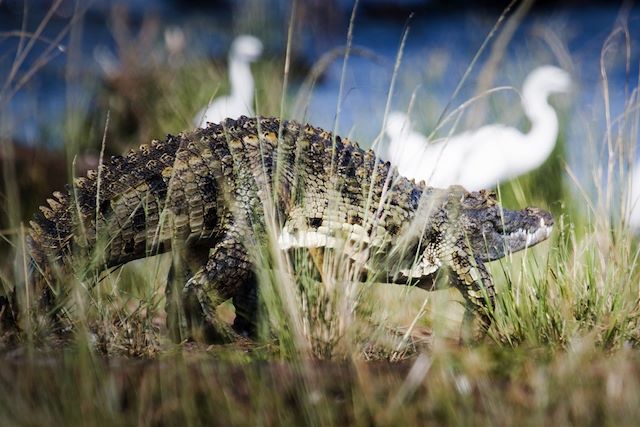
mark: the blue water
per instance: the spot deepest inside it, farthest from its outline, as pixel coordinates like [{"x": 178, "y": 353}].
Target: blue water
[
  {"x": 456, "y": 39},
  {"x": 439, "y": 47}
]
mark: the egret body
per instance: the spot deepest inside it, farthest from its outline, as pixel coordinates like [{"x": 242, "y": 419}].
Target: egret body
[
  {"x": 483, "y": 157},
  {"x": 633, "y": 199}
]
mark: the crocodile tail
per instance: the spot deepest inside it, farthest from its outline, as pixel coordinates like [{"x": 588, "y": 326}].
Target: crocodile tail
[
  {"x": 50, "y": 232},
  {"x": 103, "y": 214}
]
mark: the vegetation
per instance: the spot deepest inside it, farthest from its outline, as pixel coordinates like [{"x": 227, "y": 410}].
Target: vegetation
[{"x": 563, "y": 348}]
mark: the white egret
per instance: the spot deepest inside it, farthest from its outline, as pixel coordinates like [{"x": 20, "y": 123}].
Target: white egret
[
  {"x": 633, "y": 199},
  {"x": 482, "y": 158},
  {"x": 244, "y": 50}
]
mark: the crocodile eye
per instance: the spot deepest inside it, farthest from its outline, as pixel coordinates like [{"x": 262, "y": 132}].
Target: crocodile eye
[{"x": 492, "y": 226}]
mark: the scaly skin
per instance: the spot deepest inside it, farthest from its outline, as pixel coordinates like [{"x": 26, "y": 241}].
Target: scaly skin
[{"x": 205, "y": 193}]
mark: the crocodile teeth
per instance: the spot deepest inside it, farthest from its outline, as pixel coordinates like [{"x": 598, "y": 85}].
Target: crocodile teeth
[{"x": 531, "y": 238}]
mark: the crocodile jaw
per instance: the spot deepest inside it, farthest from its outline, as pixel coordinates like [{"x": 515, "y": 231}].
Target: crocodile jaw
[
  {"x": 522, "y": 238},
  {"x": 505, "y": 232}
]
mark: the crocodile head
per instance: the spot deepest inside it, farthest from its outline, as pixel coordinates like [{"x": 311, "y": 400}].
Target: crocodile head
[
  {"x": 462, "y": 224},
  {"x": 493, "y": 232}
]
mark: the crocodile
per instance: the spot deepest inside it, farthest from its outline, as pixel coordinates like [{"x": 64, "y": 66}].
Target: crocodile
[{"x": 213, "y": 194}]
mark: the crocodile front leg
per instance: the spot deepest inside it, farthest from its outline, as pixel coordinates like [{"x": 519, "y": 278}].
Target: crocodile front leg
[{"x": 470, "y": 276}]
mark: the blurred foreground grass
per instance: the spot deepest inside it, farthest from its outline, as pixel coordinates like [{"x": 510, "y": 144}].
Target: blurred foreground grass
[
  {"x": 472, "y": 386},
  {"x": 563, "y": 348}
]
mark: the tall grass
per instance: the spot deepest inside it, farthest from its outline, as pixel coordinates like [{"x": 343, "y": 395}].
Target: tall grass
[{"x": 332, "y": 350}]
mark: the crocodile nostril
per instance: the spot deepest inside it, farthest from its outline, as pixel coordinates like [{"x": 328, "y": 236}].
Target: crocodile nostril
[{"x": 544, "y": 216}]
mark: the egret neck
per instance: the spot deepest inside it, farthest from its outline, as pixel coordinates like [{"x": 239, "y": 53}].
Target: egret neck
[
  {"x": 539, "y": 142},
  {"x": 242, "y": 85}
]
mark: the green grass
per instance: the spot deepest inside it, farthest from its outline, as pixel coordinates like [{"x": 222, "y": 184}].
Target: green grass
[{"x": 562, "y": 349}]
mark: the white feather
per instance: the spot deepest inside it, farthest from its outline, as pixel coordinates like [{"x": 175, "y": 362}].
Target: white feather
[
  {"x": 244, "y": 50},
  {"x": 633, "y": 199},
  {"x": 483, "y": 157}
]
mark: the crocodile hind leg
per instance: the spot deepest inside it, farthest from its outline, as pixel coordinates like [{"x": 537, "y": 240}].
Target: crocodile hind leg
[
  {"x": 182, "y": 265},
  {"x": 226, "y": 272},
  {"x": 7, "y": 316},
  {"x": 245, "y": 301},
  {"x": 471, "y": 277}
]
